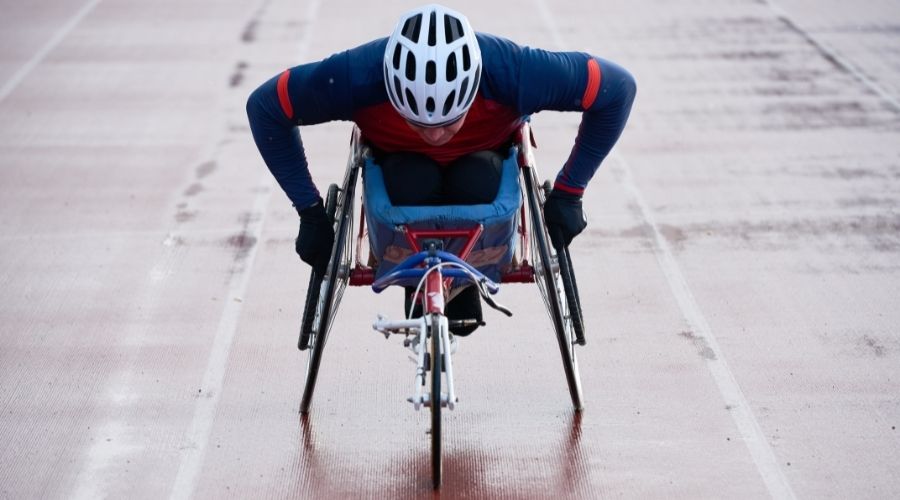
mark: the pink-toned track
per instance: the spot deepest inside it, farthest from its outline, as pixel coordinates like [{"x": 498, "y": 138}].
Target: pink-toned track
[{"x": 739, "y": 273}]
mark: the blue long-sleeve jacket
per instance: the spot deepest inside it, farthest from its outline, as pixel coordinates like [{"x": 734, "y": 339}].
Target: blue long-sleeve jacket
[{"x": 516, "y": 81}]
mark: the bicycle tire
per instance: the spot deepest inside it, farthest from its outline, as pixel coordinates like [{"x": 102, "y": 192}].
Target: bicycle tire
[
  {"x": 549, "y": 282},
  {"x": 315, "y": 280},
  {"x": 333, "y": 283},
  {"x": 309, "y": 308},
  {"x": 570, "y": 287},
  {"x": 436, "y": 370}
]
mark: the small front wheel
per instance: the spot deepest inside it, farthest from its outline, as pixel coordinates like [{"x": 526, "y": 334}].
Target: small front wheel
[{"x": 436, "y": 370}]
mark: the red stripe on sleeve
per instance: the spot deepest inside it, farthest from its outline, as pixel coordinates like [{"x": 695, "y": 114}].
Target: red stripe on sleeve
[
  {"x": 593, "y": 84},
  {"x": 568, "y": 189},
  {"x": 283, "y": 98}
]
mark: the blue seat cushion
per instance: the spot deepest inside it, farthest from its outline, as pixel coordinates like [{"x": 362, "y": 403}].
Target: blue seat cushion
[{"x": 491, "y": 252}]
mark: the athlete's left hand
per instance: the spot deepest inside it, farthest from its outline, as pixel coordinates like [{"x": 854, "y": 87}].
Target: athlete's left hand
[{"x": 565, "y": 217}]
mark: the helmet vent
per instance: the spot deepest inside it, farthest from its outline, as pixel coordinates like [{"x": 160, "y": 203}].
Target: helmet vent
[
  {"x": 394, "y": 100},
  {"x": 453, "y": 29},
  {"x": 429, "y": 105},
  {"x": 451, "y": 67},
  {"x": 432, "y": 31},
  {"x": 430, "y": 73},
  {"x": 467, "y": 62},
  {"x": 412, "y": 27},
  {"x": 474, "y": 86},
  {"x": 398, "y": 90},
  {"x": 411, "y": 100},
  {"x": 449, "y": 102},
  {"x": 397, "y": 57},
  {"x": 410, "y": 66},
  {"x": 462, "y": 90}
]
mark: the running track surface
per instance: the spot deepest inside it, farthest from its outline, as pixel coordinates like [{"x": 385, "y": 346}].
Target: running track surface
[{"x": 740, "y": 271}]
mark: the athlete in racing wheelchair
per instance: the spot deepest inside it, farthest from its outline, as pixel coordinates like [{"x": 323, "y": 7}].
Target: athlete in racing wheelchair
[{"x": 441, "y": 135}]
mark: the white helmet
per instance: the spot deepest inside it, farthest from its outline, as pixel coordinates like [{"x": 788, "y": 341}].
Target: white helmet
[{"x": 432, "y": 66}]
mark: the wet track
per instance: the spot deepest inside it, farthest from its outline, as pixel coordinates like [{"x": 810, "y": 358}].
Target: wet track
[{"x": 741, "y": 269}]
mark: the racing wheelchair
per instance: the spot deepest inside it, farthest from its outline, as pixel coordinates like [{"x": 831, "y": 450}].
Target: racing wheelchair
[{"x": 437, "y": 250}]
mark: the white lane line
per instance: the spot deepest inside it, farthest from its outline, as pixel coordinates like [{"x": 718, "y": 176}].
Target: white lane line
[
  {"x": 23, "y": 72},
  {"x": 112, "y": 440},
  {"x": 197, "y": 437},
  {"x": 843, "y": 61},
  {"x": 752, "y": 434}
]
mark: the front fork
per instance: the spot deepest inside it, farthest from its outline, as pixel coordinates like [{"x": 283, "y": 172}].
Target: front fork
[
  {"x": 416, "y": 331},
  {"x": 434, "y": 293}
]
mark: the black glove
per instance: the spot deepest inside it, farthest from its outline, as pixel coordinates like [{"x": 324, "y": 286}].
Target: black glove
[
  {"x": 316, "y": 237},
  {"x": 564, "y": 216}
]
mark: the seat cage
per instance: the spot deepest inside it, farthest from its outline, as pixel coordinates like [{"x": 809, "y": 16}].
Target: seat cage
[{"x": 519, "y": 270}]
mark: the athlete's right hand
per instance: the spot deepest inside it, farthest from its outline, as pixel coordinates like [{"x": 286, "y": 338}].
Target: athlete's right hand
[{"x": 316, "y": 237}]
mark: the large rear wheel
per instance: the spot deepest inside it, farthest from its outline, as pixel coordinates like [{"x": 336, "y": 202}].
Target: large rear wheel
[
  {"x": 570, "y": 287},
  {"x": 549, "y": 279},
  {"x": 315, "y": 279},
  {"x": 333, "y": 283}
]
